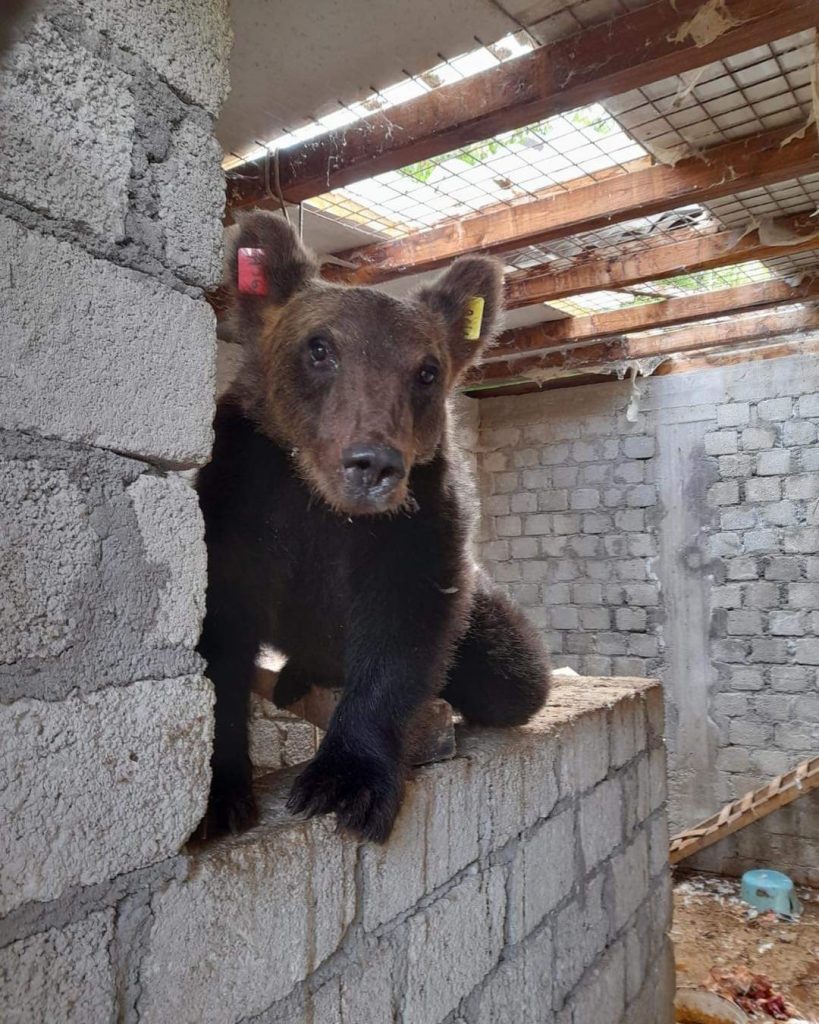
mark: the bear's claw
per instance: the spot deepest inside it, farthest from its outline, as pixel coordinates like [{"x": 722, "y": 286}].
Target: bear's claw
[
  {"x": 363, "y": 792},
  {"x": 232, "y": 809}
]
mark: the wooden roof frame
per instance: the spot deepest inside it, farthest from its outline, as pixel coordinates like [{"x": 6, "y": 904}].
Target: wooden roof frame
[
  {"x": 670, "y": 312},
  {"x": 756, "y": 348},
  {"x": 669, "y": 257},
  {"x": 628, "y": 52},
  {"x": 602, "y": 356},
  {"x": 752, "y": 162}
]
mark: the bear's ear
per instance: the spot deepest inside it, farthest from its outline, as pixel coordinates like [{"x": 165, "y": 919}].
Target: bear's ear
[
  {"x": 468, "y": 299},
  {"x": 265, "y": 262}
]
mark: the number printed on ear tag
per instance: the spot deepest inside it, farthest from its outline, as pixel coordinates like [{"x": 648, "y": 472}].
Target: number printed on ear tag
[
  {"x": 250, "y": 272},
  {"x": 473, "y": 318}
]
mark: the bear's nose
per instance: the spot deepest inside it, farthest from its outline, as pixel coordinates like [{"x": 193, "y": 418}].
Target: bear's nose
[{"x": 372, "y": 470}]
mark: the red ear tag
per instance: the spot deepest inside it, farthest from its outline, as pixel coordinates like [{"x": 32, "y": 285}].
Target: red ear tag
[{"x": 250, "y": 272}]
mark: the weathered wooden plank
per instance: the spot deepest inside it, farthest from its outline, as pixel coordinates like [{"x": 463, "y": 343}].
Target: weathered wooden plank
[
  {"x": 726, "y": 334},
  {"x": 760, "y": 350},
  {"x": 751, "y": 807},
  {"x": 666, "y": 313},
  {"x": 666, "y": 258}
]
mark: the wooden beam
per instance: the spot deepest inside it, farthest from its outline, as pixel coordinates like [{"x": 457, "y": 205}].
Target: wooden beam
[
  {"x": 728, "y": 333},
  {"x": 666, "y": 258},
  {"x": 666, "y": 313},
  {"x": 758, "y": 351},
  {"x": 725, "y": 334},
  {"x": 753, "y": 162},
  {"x": 626, "y": 53},
  {"x": 755, "y": 351},
  {"x": 754, "y": 805}
]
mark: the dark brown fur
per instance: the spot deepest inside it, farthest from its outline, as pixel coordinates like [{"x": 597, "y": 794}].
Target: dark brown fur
[
  {"x": 338, "y": 530},
  {"x": 13, "y": 22}
]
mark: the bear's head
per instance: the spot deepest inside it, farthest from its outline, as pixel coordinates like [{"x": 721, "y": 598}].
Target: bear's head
[{"x": 351, "y": 381}]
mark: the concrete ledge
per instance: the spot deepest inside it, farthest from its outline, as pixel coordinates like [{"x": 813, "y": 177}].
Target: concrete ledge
[{"x": 527, "y": 870}]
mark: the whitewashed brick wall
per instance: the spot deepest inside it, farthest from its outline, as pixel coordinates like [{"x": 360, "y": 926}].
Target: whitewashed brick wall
[
  {"x": 570, "y": 514},
  {"x": 676, "y": 533}
]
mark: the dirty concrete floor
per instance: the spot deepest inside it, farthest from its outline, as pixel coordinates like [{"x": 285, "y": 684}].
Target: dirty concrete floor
[{"x": 711, "y": 930}]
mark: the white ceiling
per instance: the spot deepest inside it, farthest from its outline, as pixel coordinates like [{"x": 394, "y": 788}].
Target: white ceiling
[{"x": 293, "y": 60}]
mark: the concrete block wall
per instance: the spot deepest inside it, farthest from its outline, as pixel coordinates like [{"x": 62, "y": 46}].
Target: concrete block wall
[
  {"x": 279, "y": 739},
  {"x": 526, "y": 881},
  {"x": 674, "y": 530},
  {"x": 762, "y": 547},
  {"x": 570, "y": 506},
  {"x": 111, "y": 199}
]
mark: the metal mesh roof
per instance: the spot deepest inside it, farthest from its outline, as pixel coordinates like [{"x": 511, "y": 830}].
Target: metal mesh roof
[
  {"x": 795, "y": 196},
  {"x": 796, "y": 266},
  {"x": 763, "y": 89},
  {"x": 699, "y": 281},
  {"x": 552, "y": 20},
  {"x": 615, "y": 240},
  {"x": 568, "y": 150},
  {"x": 695, "y": 283},
  {"x": 600, "y": 302}
]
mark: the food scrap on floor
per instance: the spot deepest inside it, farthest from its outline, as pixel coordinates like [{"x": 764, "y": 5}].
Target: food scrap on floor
[{"x": 766, "y": 965}]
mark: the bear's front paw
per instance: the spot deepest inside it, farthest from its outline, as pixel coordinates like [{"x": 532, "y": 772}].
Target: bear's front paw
[
  {"x": 231, "y": 809},
  {"x": 363, "y": 791}
]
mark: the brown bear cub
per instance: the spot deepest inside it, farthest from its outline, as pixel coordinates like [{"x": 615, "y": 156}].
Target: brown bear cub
[{"x": 338, "y": 527}]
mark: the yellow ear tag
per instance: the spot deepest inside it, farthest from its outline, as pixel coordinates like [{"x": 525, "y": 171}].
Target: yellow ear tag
[{"x": 473, "y": 318}]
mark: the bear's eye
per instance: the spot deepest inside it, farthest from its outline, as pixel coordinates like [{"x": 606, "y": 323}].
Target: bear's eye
[
  {"x": 428, "y": 374},
  {"x": 318, "y": 349}
]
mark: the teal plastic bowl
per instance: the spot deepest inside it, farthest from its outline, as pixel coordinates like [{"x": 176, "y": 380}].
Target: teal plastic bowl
[{"x": 770, "y": 890}]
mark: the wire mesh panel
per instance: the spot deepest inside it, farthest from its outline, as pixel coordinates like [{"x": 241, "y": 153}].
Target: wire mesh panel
[
  {"x": 616, "y": 240},
  {"x": 574, "y": 148},
  {"x": 552, "y": 20},
  {"x": 795, "y": 196},
  {"x": 762, "y": 89},
  {"x": 796, "y": 266}
]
